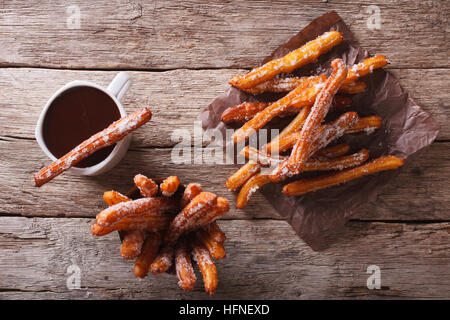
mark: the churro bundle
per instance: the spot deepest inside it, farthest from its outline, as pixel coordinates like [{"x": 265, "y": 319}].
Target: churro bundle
[
  {"x": 165, "y": 226},
  {"x": 304, "y": 144}
]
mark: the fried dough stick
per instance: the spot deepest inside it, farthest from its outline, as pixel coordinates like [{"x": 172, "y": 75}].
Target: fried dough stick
[
  {"x": 183, "y": 266},
  {"x": 256, "y": 182},
  {"x": 306, "y": 185},
  {"x": 303, "y": 95},
  {"x": 112, "y": 134},
  {"x": 192, "y": 190},
  {"x": 363, "y": 124},
  {"x": 215, "y": 232},
  {"x": 148, "y": 254},
  {"x": 146, "y": 186},
  {"x": 322, "y": 137},
  {"x": 169, "y": 186},
  {"x": 236, "y": 180},
  {"x": 302, "y": 149},
  {"x": 113, "y": 197},
  {"x": 189, "y": 217},
  {"x": 365, "y": 67},
  {"x": 250, "y": 187},
  {"x": 139, "y": 207},
  {"x": 244, "y": 173},
  {"x": 353, "y": 88},
  {"x": 247, "y": 110},
  {"x": 149, "y": 223},
  {"x": 132, "y": 244},
  {"x": 288, "y": 84},
  {"x": 367, "y": 124},
  {"x": 132, "y": 240},
  {"x": 295, "y": 125},
  {"x": 207, "y": 267},
  {"x": 314, "y": 163},
  {"x": 337, "y": 150},
  {"x": 216, "y": 249},
  {"x": 293, "y": 60},
  {"x": 163, "y": 261}
]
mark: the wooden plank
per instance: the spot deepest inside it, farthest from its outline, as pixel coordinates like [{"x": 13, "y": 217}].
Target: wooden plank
[
  {"x": 201, "y": 34},
  {"x": 175, "y": 97},
  {"x": 419, "y": 192},
  {"x": 265, "y": 260}
]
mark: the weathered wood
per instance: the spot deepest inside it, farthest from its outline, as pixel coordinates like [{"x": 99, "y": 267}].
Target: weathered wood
[
  {"x": 265, "y": 260},
  {"x": 175, "y": 97},
  {"x": 201, "y": 34},
  {"x": 418, "y": 193}
]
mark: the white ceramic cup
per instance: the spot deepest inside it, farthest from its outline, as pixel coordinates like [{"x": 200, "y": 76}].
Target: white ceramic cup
[{"x": 115, "y": 91}]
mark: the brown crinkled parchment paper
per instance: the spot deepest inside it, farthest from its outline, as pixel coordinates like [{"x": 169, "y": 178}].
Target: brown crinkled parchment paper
[{"x": 405, "y": 130}]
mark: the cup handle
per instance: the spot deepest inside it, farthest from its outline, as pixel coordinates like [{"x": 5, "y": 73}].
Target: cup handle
[{"x": 119, "y": 85}]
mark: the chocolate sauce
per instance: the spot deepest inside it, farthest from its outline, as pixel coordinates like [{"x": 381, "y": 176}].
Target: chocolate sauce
[{"x": 74, "y": 116}]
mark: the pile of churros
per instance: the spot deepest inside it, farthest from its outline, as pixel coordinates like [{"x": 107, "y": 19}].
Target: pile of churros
[
  {"x": 165, "y": 226},
  {"x": 309, "y": 140}
]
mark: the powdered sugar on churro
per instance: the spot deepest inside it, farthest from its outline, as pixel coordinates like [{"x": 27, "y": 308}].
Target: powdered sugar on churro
[
  {"x": 318, "y": 112},
  {"x": 295, "y": 59},
  {"x": 201, "y": 255},
  {"x": 114, "y": 133},
  {"x": 188, "y": 218},
  {"x": 137, "y": 207}
]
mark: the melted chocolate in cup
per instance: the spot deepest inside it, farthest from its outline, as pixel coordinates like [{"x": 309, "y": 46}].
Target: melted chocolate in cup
[{"x": 76, "y": 115}]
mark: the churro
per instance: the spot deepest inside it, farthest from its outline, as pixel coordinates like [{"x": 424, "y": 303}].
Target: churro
[
  {"x": 147, "y": 255},
  {"x": 169, "y": 186},
  {"x": 216, "y": 249},
  {"x": 318, "y": 112},
  {"x": 250, "y": 187},
  {"x": 303, "y": 95},
  {"x": 365, "y": 67},
  {"x": 163, "y": 260},
  {"x": 114, "y": 133},
  {"x": 183, "y": 266},
  {"x": 113, "y": 197},
  {"x": 132, "y": 244},
  {"x": 293, "y": 60},
  {"x": 215, "y": 232},
  {"x": 139, "y": 207},
  {"x": 353, "y": 88},
  {"x": 188, "y": 217},
  {"x": 192, "y": 190},
  {"x": 306, "y": 185},
  {"x": 146, "y": 186},
  {"x": 206, "y": 265}
]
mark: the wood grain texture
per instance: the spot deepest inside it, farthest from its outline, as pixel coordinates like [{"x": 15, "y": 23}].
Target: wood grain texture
[
  {"x": 175, "y": 97},
  {"x": 419, "y": 192},
  {"x": 183, "y": 55},
  {"x": 206, "y": 34},
  {"x": 265, "y": 260}
]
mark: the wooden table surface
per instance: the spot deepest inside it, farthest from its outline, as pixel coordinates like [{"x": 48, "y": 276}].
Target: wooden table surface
[{"x": 180, "y": 56}]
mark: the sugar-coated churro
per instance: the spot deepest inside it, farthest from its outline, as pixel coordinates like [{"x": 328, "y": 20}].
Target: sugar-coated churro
[
  {"x": 318, "y": 112},
  {"x": 250, "y": 187},
  {"x": 169, "y": 186},
  {"x": 114, "y": 133},
  {"x": 147, "y": 255},
  {"x": 365, "y": 67},
  {"x": 132, "y": 244},
  {"x": 206, "y": 265},
  {"x": 183, "y": 266},
  {"x": 192, "y": 190},
  {"x": 163, "y": 260},
  {"x": 146, "y": 186},
  {"x": 306, "y": 185},
  {"x": 293, "y": 60},
  {"x": 216, "y": 249}
]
